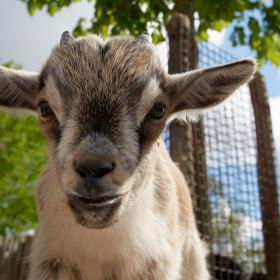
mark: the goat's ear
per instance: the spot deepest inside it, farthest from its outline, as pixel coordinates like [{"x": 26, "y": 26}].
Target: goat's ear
[
  {"x": 18, "y": 88},
  {"x": 191, "y": 92}
]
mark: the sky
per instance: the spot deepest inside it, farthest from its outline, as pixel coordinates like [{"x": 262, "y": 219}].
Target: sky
[{"x": 29, "y": 40}]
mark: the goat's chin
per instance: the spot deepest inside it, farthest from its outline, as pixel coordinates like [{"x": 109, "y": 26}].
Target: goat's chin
[
  {"x": 94, "y": 218},
  {"x": 94, "y": 224}
]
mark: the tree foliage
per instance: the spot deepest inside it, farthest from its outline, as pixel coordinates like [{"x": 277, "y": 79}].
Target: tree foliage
[
  {"x": 22, "y": 156},
  {"x": 12, "y": 64},
  {"x": 256, "y": 23}
]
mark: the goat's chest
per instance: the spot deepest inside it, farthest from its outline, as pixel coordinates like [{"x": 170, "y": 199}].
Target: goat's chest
[
  {"x": 121, "y": 255},
  {"x": 125, "y": 269},
  {"x": 118, "y": 259}
]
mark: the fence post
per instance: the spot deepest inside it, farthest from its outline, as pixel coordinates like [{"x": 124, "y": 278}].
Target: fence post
[
  {"x": 202, "y": 206},
  {"x": 186, "y": 140},
  {"x": 14, "y": 257},
  {"x": 267, "y": 177},
  {"x": 180, "y": 133}
]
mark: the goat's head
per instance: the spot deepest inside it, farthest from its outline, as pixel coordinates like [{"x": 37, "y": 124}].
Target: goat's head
[{"x": 102, "y": 106}]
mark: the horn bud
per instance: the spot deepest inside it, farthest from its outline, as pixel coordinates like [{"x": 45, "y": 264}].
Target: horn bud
[
  {"x": 145, "y": 37},
  {"x": 66, "y": 38}
]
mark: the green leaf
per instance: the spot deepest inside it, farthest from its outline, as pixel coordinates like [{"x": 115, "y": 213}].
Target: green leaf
[
  {"x": 219, "y": 25},
  {"x": 52, "y": 8},
  {"x": 254, "y": 26},
  {"x": 31, "y": 8}
]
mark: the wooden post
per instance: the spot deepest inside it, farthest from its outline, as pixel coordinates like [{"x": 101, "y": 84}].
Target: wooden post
[
  {"x": 267, "y": 177},
  {"x": 187, "y": 140},
  {"x": 202, "y": 206},
  {"x": 181, "y": 138},
  {"x": 14, "y": 257}
]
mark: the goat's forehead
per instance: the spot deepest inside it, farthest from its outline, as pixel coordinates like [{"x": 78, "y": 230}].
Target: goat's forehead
[
  {"x": 91, "y": 61},
  {"x": 117, "y": 71}
]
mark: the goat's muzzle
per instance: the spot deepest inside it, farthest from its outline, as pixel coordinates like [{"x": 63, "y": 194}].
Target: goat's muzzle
[
  {"x": 94, "y": 191},
  {"x": 98, "y": 212}
]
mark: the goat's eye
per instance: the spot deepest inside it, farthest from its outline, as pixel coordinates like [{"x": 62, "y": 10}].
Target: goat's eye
[
  {"x": 44, "y": 109},
  {"x": 158, "y": 111}
]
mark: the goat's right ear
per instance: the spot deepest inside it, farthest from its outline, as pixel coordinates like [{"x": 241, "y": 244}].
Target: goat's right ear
[
  {"x": 195, "y": 91},
  {"x": 18, "y": 88}
]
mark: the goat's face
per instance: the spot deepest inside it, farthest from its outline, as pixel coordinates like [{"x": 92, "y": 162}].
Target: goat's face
[
  {"x": 102, "y": 106},
  {"x": 99, "y": 98}
]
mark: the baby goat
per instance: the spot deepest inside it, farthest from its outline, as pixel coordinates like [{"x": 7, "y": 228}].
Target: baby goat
[{"x": 111, "y": 203}]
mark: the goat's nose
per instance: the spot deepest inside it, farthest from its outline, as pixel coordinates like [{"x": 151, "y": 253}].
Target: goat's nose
[{"x": 96, "y": 169}]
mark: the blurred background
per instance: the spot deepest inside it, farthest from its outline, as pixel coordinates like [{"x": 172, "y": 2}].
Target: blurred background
[{"x": 233, "y": 153}]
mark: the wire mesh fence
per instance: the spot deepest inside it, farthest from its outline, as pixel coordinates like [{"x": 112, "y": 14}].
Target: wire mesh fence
[
  {"x": 228, "y": 206},
  {"x": 237, "y": 244}
]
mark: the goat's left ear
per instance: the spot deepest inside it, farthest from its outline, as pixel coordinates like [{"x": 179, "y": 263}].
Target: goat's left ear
[
  {"x": 18, "y": 88},
  {"x": 201, "y": 89}
]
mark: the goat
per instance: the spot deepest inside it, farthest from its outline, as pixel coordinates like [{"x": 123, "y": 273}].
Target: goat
[{"x": 111, "y": 203}]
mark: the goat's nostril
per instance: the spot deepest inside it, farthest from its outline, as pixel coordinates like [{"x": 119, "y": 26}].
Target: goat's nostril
[
  {"x": 96, "y": 169},
  {"x": 103, "y": 167},
  {"x": 82, "y": 169}
]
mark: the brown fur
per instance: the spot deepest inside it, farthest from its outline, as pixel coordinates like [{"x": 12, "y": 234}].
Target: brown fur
[{"x": 101, "y": 99}]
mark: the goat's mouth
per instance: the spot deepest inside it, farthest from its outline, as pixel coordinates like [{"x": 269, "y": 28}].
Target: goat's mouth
[
  {"x": 99, "y": 212},
  {"x": 95, "y": 203}
]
